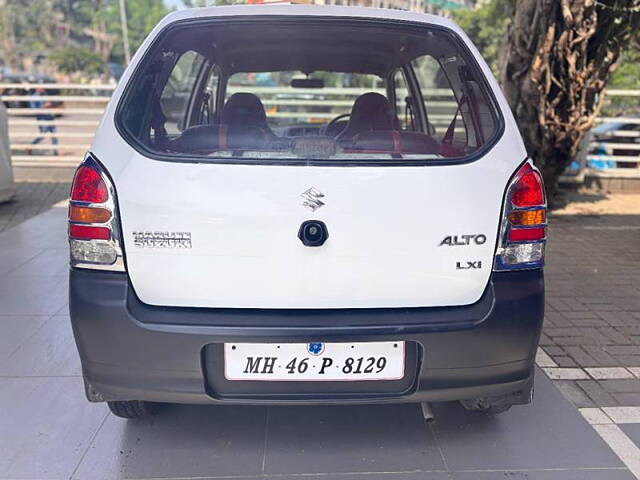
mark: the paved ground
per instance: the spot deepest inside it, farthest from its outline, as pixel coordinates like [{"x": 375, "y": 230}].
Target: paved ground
[
  {"x": 31, "y": 199},
  {"x": 48, "y": 430},
  {"x": 593, "y": 308}
]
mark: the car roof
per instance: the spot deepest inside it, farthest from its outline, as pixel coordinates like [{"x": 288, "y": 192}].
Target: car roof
[{"x": 287, "y": 9}]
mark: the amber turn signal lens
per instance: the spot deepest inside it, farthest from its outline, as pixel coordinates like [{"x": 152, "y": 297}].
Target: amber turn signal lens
[
  {"x": 89, "y": 214},
  {"x": 528, "y": 217}
]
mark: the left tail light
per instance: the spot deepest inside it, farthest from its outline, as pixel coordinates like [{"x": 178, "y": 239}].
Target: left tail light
[
  {"x": 523, "y": 233},
  {"x": 94, "y": 227}
]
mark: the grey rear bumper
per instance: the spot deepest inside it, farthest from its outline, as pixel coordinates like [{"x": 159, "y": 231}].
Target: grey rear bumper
[{"x": 130, "y": 350}]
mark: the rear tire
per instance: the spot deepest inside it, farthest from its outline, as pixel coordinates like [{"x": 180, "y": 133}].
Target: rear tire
[{"x": 132, "y": 408}]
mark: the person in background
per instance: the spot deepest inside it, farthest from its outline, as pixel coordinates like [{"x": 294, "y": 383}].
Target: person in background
[{"x": 47, "y": 127}]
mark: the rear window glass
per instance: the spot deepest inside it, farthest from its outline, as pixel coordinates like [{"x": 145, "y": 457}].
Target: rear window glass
[{"x": 307, "y": 90}]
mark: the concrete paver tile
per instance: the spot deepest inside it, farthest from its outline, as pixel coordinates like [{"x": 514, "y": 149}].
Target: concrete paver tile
[
  {"x": 623, "y": 414},
  {"x": 46, "y": 426},
  {"x": 609, "y": 373},
  {"x": 181, "y": 441},
  {"x": 565, "y": 373},
  {"x": 51, "y": 351}
]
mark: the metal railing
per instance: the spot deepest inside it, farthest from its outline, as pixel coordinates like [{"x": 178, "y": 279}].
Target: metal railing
[
  {"x": 616, "y": 153},
  {"x": 59, "y": 134},
  {"x": 56, "y": 135}
]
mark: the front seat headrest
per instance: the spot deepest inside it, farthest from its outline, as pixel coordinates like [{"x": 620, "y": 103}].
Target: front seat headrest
[
  {"x": 370, "y": 112},
  {"x": 244, "y": 109}
]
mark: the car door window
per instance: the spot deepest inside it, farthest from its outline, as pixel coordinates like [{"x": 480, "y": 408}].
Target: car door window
[
  {"x": 456, "y": 103},
  {"x": 440, "y": 100},
  {"x": 177, "y": 91},
  {"x": 403, "y": 102},
  {"x": 207, "y": 101}
]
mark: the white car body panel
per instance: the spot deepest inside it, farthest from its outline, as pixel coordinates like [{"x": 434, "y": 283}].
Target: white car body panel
[{"x": 385, "y": 224}]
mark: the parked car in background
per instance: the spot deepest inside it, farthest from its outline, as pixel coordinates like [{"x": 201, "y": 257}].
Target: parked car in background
[
  {"x": 617, "y": 139},
  {"x": 7, "y": 187},
  {"x": 224, "y": 252}
]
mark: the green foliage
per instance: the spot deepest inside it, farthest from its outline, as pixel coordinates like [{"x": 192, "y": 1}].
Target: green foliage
[
  {"x": 25, "y": 28},
  {"x": 627, "y": 76},
  {"x": 77, "y": 59},
  {"x": 628, "y": 73},
  {"x": 32, "y": 28},
  {"x": 142, "y": 16},
  {"x": 486, "y": 26}
]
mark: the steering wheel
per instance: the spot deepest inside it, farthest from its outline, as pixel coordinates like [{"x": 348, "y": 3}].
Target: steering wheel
[{"x": 336, "y": 120}]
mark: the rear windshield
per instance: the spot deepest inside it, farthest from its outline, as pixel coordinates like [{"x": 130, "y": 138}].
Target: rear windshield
[{"x": 306, "y": 90}]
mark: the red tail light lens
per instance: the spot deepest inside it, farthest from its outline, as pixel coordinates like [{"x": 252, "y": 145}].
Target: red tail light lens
[
  {"x": 89, "y": 233},
  {"x": 526, "y": 234},
  {"x": 94, "y": 234},
  {"x": 523, "y": 232},
  {"x": 529, "y": 190},
  {"x": 88, "y": 186}
]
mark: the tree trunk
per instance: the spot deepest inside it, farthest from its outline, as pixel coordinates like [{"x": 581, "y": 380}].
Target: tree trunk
[{"x": 555, "y": 62}]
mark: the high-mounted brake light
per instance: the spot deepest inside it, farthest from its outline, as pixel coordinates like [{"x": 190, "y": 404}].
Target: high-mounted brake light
[
  {"x": 524, "y": 225},
  {"x": 94, "y": 234}
]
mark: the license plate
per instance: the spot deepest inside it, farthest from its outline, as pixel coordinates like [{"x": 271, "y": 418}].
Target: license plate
[{"x": 314, "y": 361}]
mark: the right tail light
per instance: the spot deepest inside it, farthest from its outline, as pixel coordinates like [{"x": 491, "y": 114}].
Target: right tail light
[
  {"x": 94, "y": 227},
  {"x": 523, "y": 232}
]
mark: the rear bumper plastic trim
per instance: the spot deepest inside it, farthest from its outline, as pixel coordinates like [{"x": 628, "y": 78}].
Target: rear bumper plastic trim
[{"x": 124, "y": 358}]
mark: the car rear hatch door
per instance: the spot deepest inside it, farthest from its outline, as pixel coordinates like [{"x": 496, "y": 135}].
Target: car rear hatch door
[{"x": 214, "y": 235}]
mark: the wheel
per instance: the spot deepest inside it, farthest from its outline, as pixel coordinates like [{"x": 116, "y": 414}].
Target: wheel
[
  {"x": 132, "y": 408},
  {"x": 484, "y": 405}
]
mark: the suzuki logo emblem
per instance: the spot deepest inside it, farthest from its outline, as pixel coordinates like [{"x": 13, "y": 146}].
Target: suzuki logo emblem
[{"x": 311, "y": 199}]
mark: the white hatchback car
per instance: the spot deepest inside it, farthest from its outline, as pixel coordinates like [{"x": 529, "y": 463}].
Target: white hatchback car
[{"x": 295, "y": 204}]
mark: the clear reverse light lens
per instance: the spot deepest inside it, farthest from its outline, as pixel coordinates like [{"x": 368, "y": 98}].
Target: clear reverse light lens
[
  {"x": 93, "y": 251},
  {"x": 523, "y": 253}
]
